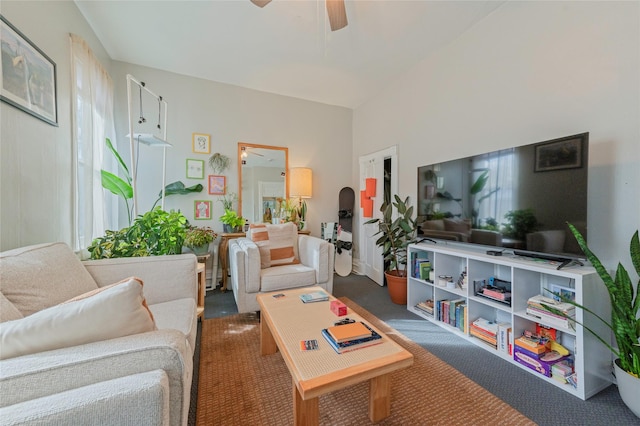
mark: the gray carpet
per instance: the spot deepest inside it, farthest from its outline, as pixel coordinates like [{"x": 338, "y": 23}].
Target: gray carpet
[{"x": 541, "y": 402}]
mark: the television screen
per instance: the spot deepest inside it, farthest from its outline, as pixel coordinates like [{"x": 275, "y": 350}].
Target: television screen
[{"x": 518, "y": 198}]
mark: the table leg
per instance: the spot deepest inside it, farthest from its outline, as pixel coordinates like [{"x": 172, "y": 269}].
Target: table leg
[
  {"x": 223, "y": 257},
  {"x": 268, "y": 344},
  {"x": 305, "y": 413},
  {"x": 379, "y": 397}
]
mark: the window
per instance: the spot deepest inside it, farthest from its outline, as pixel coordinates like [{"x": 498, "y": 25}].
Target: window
[{"x": 92, "y": 121}]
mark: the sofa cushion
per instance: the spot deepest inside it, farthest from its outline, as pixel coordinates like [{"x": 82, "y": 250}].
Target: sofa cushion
[
  {"x": 8, "y": 311},
  {"x": 436, "y": 225},
  {"x": 37, "y": 277},
  {"x": 117, "y": 311},
  {"x": 286, "y": 276},
  {"x": 178, "y": 315},
  {"x": 455, "y": 225}
]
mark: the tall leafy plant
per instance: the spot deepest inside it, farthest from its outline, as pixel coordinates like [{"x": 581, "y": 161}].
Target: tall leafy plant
[
  {"x": 625, "y": 303},
  {"x": 396, "y": 234},
  {"x": 123, "y": 187}
]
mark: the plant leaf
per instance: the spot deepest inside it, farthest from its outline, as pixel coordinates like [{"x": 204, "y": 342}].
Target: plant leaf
[
  {"x": 116, "y": 185},
  {"x": 123, "y": 166}
]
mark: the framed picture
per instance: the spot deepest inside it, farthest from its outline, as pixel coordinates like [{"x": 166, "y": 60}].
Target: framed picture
[
  {"x": 217, "y": 185},
  {"x": 566, "y": 292},
  {"x": 201, "y": 143},
  {"x": 28, "y": 75},
  {"x": 202, "y": 209},
  {"x": 195, "y": 169},
  {"x": 558, "y": 155}
]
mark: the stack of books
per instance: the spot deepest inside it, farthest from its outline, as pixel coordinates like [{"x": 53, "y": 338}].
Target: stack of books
[
  {"x": 565, "y": 319},
  {"x": 485, "y": 330},
  {"x": 316, "y": 296},
  {"x": 426, "y": 307},
  {"x": 349, "y": 337},
  {"x": 452, "y": 312}
]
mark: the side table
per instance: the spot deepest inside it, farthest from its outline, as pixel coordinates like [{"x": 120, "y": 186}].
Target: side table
[
  {"x": 223, "y": 255},
  {"x": 202, "y": 283}
]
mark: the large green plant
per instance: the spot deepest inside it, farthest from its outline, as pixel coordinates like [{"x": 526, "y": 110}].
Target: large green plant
[
  {"x": 154, "y": 233},
  {"x": 123, "y": 188},
  {"x": 396, "y": 234},
  {"x": 520, "y": 223},
  {"x": 624, "y": 323},
  {"x": 231, "y": 218}
]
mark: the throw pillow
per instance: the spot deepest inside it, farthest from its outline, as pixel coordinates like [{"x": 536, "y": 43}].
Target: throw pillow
[
  {"x": 107, "y": 313},
  {"x": 259, "y": 235},
  {"x": 282, "y": 240},
  {"x": 8, "y": 311}
]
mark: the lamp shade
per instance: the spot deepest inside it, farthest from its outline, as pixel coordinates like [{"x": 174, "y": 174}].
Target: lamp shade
[{"x": 300, "y": 179}]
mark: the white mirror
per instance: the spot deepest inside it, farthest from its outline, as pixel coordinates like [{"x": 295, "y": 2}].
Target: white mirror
[{"x": 262, "y": 177}]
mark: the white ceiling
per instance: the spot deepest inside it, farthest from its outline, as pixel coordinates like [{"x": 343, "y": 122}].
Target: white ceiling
[{"x": 286, "y": 47}]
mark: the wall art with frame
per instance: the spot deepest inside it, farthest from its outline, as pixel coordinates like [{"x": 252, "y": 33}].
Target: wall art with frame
[
  {"x": 27, "y": 75},
  {"x": 202, "y": 210},
  {"x": 201, "y": 143},
  {"x": 217, "y": 185},
  {"x": 560, "y": 154},
  {"x": 195, "y": 169}
]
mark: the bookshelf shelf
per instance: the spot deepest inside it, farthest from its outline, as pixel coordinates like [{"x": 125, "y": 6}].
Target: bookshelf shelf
[{"x": 455, "y": 309}]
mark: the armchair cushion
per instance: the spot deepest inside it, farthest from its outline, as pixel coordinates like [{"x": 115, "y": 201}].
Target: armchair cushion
[
  {"x": 277, "y": 243},
  {"x": 287, "y": 276},
  {"x": 118, "y": 310}
]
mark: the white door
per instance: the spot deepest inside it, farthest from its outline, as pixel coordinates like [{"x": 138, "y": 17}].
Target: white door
[{"x": 373, "y": 166}]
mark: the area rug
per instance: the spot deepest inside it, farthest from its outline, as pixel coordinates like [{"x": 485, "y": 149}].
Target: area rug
[{"x": 237, "y": 386}]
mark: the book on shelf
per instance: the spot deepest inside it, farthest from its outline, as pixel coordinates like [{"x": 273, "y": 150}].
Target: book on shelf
[
  {"x": 531, "y": 345},
  {"x": 454, "y": 311},
  {"x": 352, "y": 345},
  {"x": 426, "y": 307},
  {"x": 504, "y": 331},
  {"x": 550, "y": 319},
  {"x": 490, "y": 327},
  {"x": 352, "y": 331},
  {"x": 484, "y": 338},
  {"x": 316, "y": 296},
  {"x": 539, "y": 300}
]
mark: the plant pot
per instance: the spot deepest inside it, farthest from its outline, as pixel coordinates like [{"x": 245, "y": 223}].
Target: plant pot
[
  {"x": 397, "y": 286},
  {"x": 200, "y": 250},
  {"x": 228, "y": 229},
  {"x": 629, "y": 388}
]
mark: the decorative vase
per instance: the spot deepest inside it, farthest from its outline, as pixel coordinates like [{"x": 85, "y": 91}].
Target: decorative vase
[
  {"x": 629, "y": 388},
  {"x": 397, "y": 286},
  {"x": 227, "y": 229}
]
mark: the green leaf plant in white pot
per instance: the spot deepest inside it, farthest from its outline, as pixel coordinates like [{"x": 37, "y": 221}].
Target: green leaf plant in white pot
[{"x": 624, "y": 322}]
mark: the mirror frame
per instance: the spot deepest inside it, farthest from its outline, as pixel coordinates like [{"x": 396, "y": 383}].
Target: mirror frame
[{"x": 253, "y": 145}]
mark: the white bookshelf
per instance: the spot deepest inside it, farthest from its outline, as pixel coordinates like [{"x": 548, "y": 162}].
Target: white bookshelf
[{"x": 528, "y": 278}]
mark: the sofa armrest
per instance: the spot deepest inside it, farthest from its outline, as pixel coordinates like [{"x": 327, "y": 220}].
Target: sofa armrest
[
  {"x": 165, "y": 277},
  {"x": 317, "y": 254},
  {"x": 141, "y": 399},
  {"x": 244, "y": 265},
  {"x": 47, "y": 373}
]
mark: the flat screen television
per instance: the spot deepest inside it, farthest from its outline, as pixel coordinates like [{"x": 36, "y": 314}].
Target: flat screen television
[{"x": 517, "y": 198}]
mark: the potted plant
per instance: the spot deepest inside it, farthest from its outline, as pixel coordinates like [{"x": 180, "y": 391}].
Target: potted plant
[
  {"x": 624, "y": 323},
  {"x": 154, "y": 233},
  {"x": 198, "y": 239},
  {"x": 231, "y": 221},
  {"x": 395, "y": 235}
]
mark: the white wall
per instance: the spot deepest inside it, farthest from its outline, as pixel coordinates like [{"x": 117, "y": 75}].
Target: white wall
[
  {"x": 529, "y": 72},
  {"x": 35, "y": 157},
  {"x": 317, "y": 136}
]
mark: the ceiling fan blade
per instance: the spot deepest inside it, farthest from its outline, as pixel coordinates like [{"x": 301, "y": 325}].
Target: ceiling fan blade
[
  {"x": 261, "y": 3},
  {"x": 337, "y": 14}
]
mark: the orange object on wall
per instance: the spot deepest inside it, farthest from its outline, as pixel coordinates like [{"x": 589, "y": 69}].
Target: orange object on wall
[
  {"x": 362, "y": 197},
  {"x": 367, "y": 207},
  {"x": 370, "y": 190}
]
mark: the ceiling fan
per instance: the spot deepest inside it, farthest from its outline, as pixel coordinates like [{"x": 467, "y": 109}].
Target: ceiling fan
[{"x": 335, "y": 9}]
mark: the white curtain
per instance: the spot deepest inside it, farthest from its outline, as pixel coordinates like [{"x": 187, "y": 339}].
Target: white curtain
[{"x": 92, "y": 123}]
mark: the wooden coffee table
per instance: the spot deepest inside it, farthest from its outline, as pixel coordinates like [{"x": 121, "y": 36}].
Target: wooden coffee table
[{"x": 285, "y": 321}]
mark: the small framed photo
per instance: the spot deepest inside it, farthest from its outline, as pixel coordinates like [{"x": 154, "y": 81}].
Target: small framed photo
[
  {"x": 217, "y": 185},
  {"x": 195, "y": 169},
  {"x": 558, "y": 155},
  {"x": 202, "y": 209},
  {"x": 27, "y": 75},
  {"x": 201, "y": 143},
  {"x": 565, "y": 292}
]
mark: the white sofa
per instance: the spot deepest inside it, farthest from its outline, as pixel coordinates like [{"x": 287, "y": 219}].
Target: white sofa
[
  {"x": 249, "y": 276},
  {"x": 136, "y": 379}
]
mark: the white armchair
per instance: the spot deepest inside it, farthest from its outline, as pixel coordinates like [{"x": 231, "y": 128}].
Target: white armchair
[{"x": 248, "y": 278}]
